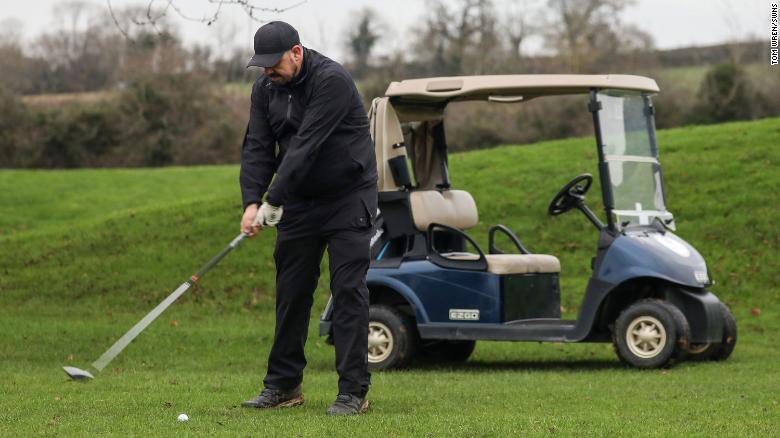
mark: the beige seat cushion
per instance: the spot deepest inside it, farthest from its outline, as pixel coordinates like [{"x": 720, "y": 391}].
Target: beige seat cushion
[
  {"x": 523, "y": 263},
  {"x": 514, "y": 263},
  {"x": 455, "y": 208}
]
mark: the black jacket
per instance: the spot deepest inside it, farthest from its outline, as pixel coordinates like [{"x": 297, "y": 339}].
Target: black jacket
[{"x": 318, "y": 120}]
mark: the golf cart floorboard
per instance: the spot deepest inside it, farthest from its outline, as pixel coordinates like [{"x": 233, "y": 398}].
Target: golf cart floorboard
[{"x": 551, "y": 330}]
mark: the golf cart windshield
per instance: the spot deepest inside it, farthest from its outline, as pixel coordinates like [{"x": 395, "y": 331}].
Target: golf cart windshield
[{"x": 631, "y": 155}]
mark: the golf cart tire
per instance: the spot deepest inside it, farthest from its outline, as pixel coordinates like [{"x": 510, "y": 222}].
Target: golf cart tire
[
  {"x": 446, "y": 351},
  {"x": 396, "y": 332},
  {"x": 726, "y": 347},
  {"x": 654, "y": 319},
  {"x": 717, "y": 350}
]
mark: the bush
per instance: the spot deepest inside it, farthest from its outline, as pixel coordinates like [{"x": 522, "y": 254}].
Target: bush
[
  {"x": 725, "y": 94},
  {"x": 76, "y": 135},
  {"x": 157, "y": 120},
  {"x": 479, "y": 124},
  {"x": 15, "y": 123},
  {"x": 177, "y": 119}
]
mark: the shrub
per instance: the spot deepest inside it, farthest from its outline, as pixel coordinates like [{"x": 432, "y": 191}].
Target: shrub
[
  {"x": 15, "y": 121},
  {"x": 157, "y": 120},
  {"x": 76, "y": 135},
  {"x": 725, "y": 94},
  {"x": 177, "y": 119}
]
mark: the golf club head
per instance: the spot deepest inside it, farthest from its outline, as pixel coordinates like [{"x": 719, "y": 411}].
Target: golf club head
[{"x": 78, "y": 374}]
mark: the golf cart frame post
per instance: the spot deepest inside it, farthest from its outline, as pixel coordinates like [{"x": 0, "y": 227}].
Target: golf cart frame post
[
  {"x": 422, "y": 278},
  {"x": 595, "y": 106}
]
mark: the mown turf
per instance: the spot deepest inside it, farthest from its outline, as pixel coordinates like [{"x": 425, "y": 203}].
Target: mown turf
[
  {"x": 86, "y": 253},
  {"x": 209, "y": 363},
  {"x": 41, "y": 200}
]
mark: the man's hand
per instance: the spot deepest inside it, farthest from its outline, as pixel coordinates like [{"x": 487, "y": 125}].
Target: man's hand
[
  {"x": 268, "y": 215},
  {"x": 248, "y": 225}
]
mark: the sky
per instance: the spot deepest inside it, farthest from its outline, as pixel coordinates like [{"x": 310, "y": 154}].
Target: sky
[{"x": 322, "y": 24}]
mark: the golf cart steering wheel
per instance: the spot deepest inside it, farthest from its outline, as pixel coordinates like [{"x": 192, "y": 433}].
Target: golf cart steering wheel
[{"x": 570, "y": 195}]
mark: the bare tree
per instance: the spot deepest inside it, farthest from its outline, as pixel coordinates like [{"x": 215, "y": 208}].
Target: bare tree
[
  {"x": 77, "y": 51},
  {"x": 362, "y": 39},
  {"x": 157, "y": 10},
  {"x": 459, "y": 39},
  {"x": 14, "y": 66},
  {"x": 517, "y": 23},
  {"x": 586, "y": 32},
  {"x": 224, "y": 32},
  {"x": 11, "y": 31}
]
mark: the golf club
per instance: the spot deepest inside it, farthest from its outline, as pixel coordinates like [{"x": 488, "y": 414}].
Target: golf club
[{"x": 119, "y": 345}]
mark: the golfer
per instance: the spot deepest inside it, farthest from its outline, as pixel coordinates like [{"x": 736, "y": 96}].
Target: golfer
[{"x": 324, "y": 196}]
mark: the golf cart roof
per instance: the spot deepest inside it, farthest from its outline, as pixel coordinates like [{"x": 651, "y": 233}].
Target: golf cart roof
[
  {"x": 513, "y": 88},
  {"x": 419, "y": 105}
]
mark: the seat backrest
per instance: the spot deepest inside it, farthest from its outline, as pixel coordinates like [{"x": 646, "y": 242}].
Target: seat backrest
[
  {"x": 455, "y": 208},
  {"x": 392, "y": 171}
]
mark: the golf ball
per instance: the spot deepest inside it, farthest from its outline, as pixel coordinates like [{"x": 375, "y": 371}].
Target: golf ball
[{"x": 183, "y": 417}]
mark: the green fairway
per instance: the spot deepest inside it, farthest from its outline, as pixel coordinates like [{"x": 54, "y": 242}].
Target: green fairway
[{"x": 86, "y": 253}]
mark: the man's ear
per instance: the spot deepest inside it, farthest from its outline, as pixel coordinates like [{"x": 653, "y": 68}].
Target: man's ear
[{"x": 297, "y": 51}]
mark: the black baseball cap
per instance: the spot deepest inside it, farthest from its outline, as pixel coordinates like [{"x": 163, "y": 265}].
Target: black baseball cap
[{"x": 271, "y": 41}]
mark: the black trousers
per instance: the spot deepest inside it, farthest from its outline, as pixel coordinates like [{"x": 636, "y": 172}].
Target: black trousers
[{"x": 344, "y": 227}]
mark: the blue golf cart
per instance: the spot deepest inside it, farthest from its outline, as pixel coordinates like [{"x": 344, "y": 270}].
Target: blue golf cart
[{"x": 434, "y": 291}]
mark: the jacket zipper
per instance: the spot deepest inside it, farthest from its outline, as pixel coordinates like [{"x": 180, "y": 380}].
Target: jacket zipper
[
  {"x": 289, "y": 112},
  {"x": 289, "y": 107}
]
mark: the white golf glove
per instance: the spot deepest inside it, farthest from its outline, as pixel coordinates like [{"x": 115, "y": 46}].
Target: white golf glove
[{"x": 268, "y": 215}]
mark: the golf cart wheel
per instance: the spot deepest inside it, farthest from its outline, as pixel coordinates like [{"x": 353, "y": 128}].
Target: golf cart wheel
[
  {"x": 447, "y": 351},
  {"x": 729, "y": 341},
  {"x": 717, "y": 350},
  {"x": 392, "y": 338},
  {"x": 700, "y": 352},
  {"x": 651, "y": 334}
]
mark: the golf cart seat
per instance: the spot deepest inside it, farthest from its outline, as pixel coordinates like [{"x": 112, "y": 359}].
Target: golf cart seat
[{"x": 457, "y": 209}]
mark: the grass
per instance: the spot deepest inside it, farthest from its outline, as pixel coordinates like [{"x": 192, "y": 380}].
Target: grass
[
  {"x": 691, "y": 76},
  {"x": 86, "y": 253},
  {"x": 208, "y": 363},
  {"x": 42, "y": 200}
]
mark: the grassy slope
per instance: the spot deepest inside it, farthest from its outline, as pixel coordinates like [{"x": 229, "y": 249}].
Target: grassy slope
[
  {"x": 83, "y": 265},
  {"x": 45, "y": 200},
  {"x": 691, "y": 76}
]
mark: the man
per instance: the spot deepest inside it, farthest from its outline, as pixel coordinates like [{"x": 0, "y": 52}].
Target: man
[{"x": 324, "y": 195}]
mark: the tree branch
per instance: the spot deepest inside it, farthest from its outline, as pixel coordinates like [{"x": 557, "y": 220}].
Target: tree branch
[{"x": 151, "y": 17}]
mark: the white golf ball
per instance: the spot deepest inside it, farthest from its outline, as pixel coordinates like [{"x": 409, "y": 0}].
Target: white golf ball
[{"x": 183, "y": 417}]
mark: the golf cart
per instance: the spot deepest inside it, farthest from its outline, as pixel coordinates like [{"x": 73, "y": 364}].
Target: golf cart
[{"x": 433, "y": 290}]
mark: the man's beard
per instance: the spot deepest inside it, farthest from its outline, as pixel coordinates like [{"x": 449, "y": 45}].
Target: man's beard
[{"x": 276, "y": 78}]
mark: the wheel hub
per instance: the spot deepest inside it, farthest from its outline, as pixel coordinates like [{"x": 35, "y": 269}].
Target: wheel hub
[
  {"x": 380, "y": 342},
  {"x": 646, "y": 337}
]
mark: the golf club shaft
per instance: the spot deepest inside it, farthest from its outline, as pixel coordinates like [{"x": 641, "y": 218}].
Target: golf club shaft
[{"x": 128, "y": 337}]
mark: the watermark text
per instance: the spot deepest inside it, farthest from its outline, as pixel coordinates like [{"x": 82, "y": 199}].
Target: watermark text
[{"x": 773, "y": 43}]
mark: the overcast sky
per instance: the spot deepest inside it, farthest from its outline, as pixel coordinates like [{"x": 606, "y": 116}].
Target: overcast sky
[{"x": 323, "y": 23}]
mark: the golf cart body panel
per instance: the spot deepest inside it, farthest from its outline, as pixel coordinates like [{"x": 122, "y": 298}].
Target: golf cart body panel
[
  {"x": 400, "y": 287},
  {"x": 653, "y": 254},
  {"x": 374, "y": 281},
  {"x": 699, "y": 306},
  {"x": 438, "y": 290},
  {"x": 457, "y": 292}
]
